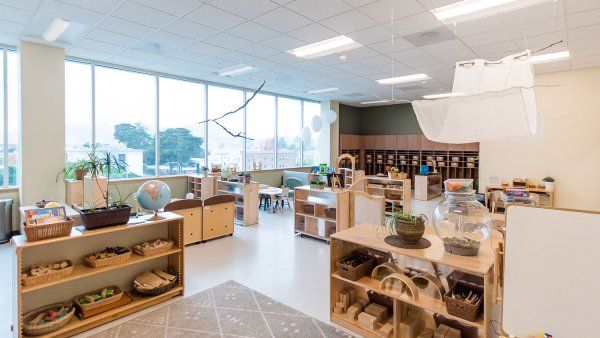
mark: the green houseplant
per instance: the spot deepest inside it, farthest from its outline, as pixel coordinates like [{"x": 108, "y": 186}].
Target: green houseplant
[
  {"x": 409, "y": 227},
  {"x": 549, "y": 183},
  {"x": 317, "y": 184}
]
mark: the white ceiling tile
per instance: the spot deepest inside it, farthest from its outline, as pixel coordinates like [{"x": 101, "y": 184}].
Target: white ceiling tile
[
  {"x": 455, "y": 56},
  {"x": 537, "y": 28},
  {"x": 586, "y": 60},
  {"x": 184, "y": 54},
  {"x": 585, "y": 52},
  {"x": 384, "y": 11},
  {"x": 238, "y": 57},
  {"x": 54, "y": 9},
  {"x": 190, "y": 29},
  {"x": 358, "y": 3},
  {"x": 282, "y": 20},
  {"x": 245, "y": 9},
  {"x": 28, "y": 5},
  {"x": 265, "y": 64},
  {"x": 392, "y": 45},
  {"x": 407, "y": 54},
  {"x": 177, "y": 8},
  {"x": 582, "y": 19},
  {"x": 540, "y": 41},
  {"x": 421, "y": 62},
  {"x": 434, "y": 67},
  {"x": 102, "y": 6},
  {"x": 103, "y": 35},
  {"x": 431, "y": 4},
  {"x": 11, "y": 27},
  {"x": 283, "y": 42},
  {"x": 488, "y": 38},
  {"x": 259, "y": 51},
  {"x": 543, "y": 11},
  {"x": 175, "y": 62},
  {"x": 217, "y": 63},
  {"x": 371, "y": 35},
  {"x": 414, "y": 24},
  {"x": 395, "y": 69},
  {"x": 507, "y": 47},
  {"x": 89, "y": 54},
  {"x": 574, "y": 6},
  {"x": 317, "y": 9},
  {"x": 253, "y": 31},
  {"x": 164, "y": 42},
  {"x": 214, "y": 17},
  {"x": 143, "y": 15},
  {"x": 443, "y": 47},
  {"x": 313, "y": 33},
  {"x": 207, "y": 49},
  {"x": 585, "y": 43},
  {"x": 140, "y": 55},
  {"x": 15, "y": 14},
  {"x": 125, "y": 27},
  {"x": 9, "y": 39},
  {"x": 360, "y": 53},
  {"x": 483, "y": 25},
  {"x": 283, "y": 58},
  {"x": 584, "y": 32},
  {"x": 99, "y": 46},
  {"x": 376, "y": 60},
  {"x": 349, "y": 22},
  {"x": 229, "y": 41}
]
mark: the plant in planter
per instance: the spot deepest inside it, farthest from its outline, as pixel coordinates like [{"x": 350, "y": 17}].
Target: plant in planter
[
  {"x": 410, "y": 228},
  {"x": 392, "y": 172},
  {"x": 549, "y": 183},
  {"x": 75, "y": 170},
  {"x": 317, "y": 184}
]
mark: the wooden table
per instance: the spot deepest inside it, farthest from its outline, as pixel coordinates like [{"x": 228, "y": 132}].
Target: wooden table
[
  {"x": 272, "y": 192},
  {"x": 70, "y": 213},
  {"x": 536, "y": 190}
]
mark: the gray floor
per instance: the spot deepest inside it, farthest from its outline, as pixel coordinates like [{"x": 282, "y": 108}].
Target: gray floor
[{"x": 266, "y": 257}]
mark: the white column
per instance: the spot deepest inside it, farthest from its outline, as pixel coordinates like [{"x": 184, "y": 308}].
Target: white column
[
  {"x": 41, "y": 122},
  {"x": 329, "y": 138}
]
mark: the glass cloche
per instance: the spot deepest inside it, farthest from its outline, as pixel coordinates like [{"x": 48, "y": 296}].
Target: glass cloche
[{"x": 461, "y": 221}]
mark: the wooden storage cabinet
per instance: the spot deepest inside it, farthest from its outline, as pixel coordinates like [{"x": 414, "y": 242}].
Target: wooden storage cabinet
[
  {"x": 202, "y": 186},
  {"x": 213, "y": 220},
  {"x": 246, "y": 204},
  {"x": 428, "y": 186},
  {"x": 397, "y": 193},
  {"x": 317, "y": 222},
  {"x": 84, "y": 279},
  {"x": 192, "y": 224}
]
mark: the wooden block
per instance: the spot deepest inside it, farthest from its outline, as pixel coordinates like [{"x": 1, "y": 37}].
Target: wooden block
[
  {"x": 353, "y": 311},
  {"x": 367, "y": 321},
  {"x": 410, "y": 327},
  {"x": 363, "y": 302},
  {"x": 378, "y": 311},
  {"x": 441, "y": 331},
  {"x": 387, "y": 329},
  {"x": 426, "y": 333},
  {"x": 338, "y": 310},
  {"x": 453, "y": 333},
  {"x": 352, "y": 293}
]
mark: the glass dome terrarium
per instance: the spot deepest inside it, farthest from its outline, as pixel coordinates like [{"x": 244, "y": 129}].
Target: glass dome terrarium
[{"x": 461, "y": 221}]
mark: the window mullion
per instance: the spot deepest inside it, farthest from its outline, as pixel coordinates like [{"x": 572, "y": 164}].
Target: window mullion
[
  {"x": 93, "y": 103},
  {"x": 276, "y": 133},
  {"x": 5, "y": 116},
  {"x": 157, "y": 131}
]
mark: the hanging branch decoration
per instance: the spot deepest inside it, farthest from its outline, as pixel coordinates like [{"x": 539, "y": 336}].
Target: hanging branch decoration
[{"x": 239, "y": 134}]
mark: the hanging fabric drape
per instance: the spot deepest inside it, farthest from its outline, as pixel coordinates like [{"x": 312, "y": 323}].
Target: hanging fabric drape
[{"x": 493, "y": 101}]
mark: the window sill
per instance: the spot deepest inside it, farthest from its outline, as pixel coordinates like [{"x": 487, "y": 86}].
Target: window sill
[{"x": 8, "y": 189}]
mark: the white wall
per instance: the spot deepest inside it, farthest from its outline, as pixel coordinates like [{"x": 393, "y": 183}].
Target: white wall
[
  {"x": 570, "y": 147},
  {"x": 41, "y": 123}
]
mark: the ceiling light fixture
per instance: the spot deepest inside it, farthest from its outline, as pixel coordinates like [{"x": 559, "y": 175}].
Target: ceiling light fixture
[
  {"x": 440, "y": 96},
  {"x": 235, "y": 71},
  {"x": 378, "y": 101},
  {"x": 550, "y": 57},
  {"x": 324, "y": 90},
  {"x": 55, "y": 30},
  {"x": 404, "y": 79},
  {"x": 338, "y": 44},
  {"x": 475, "y": 9}
]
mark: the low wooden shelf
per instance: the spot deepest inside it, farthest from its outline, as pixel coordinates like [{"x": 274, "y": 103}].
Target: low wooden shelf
[
  {"x": 246, "y": 205},
  {"x": 317, "y": 224},
  {"x": 428, "y": 186},
  {"x": 384, "y": 186},
  {"x": 428, "y": 303},
  {"x": 83, "y": 278},
  {"x": 202, "y": 186}
]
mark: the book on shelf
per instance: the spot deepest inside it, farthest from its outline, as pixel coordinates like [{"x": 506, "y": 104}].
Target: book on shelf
[{"x": 45, "y": 216}]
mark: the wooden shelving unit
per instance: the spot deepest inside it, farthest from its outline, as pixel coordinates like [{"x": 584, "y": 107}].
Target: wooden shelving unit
[
  {"x": 246, "y": 200},
  {"x": 397, "y": 193},
  {"x": 316, "y": 224},
  {"x": 428, "y": 186},
  {"x": 83, "y": 279},
  {"x": 428, "y": 303},
  {"x": 202, "y": 186}
]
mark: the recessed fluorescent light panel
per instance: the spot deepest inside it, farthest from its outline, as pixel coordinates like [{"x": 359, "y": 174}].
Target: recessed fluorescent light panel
[
  {"x": 550, "y": 57},
  {"x": 438, "y": 96},
  {"x": 475, "y": 9},
  {"x": 404, "y": 79},
  {"x": 55, "y": 30},
  {"x": 378, "y": 101},
  {"x": 324, "y": 90},
  {"x": 338, "y": 44},
  {"x": 236, "y": 71}
]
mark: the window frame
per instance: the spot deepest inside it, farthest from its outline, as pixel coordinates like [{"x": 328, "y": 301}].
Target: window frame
[
  {"x": 206, "y": 84},
  {"x": 4, "y": 50}
]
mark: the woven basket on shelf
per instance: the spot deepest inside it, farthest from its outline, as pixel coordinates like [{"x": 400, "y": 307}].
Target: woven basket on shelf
[
  {"x": 107, "y": 261},
  {"x": 357, "y": 272},
  {"x": 118, "y": 293},
  {"x": 153, "y": 251},
  {"x": 44, "y": 231},
  {"x": 53, "y": 274},
  {"x": 156, "y": 291},
  {"x": 462, "y": 309},
  {"x": 42, "y": 329}
]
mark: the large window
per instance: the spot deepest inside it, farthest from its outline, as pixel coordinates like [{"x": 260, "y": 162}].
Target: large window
[
  {"x": 289, "y": 125},
  {"x": 126, "y": 117},
  {"x": 9, "y": 117},
  {"x": 181, "y": 137},
  {"x": 260, "y": 130},
  {"x": 309, "y": 149},
  {"x": 223, "y": 148},
  {"x": 119, "y": 111}
]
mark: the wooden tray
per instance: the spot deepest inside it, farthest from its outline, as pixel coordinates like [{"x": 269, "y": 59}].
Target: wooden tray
[
  {"x": 106, "y": 261},
  {"x": 86, "y": 307},
  {"x": 55, "y": 274},
  {"x": 125, "y": 299},
  {"x": 153, "y": 251}
]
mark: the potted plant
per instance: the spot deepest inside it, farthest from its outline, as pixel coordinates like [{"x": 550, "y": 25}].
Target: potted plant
[
  {"x": 549, "y": 183},
  {"x": 409, "y": 227},
  {"x": 105, "y": 163},
  {"x": 392, "y": 172},
  {"x": 317, "y": 184},
  {"x": 77, "y": 169},
  {"x": 204, "y": 170}
]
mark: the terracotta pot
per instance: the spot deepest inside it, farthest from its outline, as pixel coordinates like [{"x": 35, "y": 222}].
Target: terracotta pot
[
  {"x": 101, "y": 217},
  {"x": 79, "y": 174},
  {"x": 410, "y": 232}
]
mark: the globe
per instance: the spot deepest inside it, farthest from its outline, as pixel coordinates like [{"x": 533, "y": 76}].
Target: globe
[{"x": 153, "y": 195}]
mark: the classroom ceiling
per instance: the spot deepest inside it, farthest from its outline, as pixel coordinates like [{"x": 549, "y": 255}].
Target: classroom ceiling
[{"x": 197, "y": 38}]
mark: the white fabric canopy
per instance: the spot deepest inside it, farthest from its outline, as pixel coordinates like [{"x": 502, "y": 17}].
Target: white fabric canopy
[{"x": 494, "y": 101}]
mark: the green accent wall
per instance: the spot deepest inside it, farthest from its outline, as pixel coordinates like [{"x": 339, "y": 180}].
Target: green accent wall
[{"x": 397, "y": 119}]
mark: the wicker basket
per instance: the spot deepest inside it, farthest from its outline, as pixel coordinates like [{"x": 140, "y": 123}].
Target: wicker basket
[
  {"x": 42, "y": 329},
  {"x": 44, "y": 231},
  {"x": 156, "y": 291},
  {"x": 461, "y": 309},
  {"x": 53, "y": 274},
  {"x": 118, "y": 293},
  {"x": 107, "y": 261},
  {"x": 153, "y": 251},
  {"x": 357, "y": 272}
]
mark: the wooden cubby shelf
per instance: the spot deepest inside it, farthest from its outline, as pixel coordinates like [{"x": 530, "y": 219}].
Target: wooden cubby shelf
[
  {"x": 246, "y": 200},
  {"x": 202, "y": 186},
  {"x": 317, "y": 224}
]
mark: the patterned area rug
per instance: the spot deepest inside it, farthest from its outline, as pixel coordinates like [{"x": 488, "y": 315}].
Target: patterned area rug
[{"x": 226, "y": 310}]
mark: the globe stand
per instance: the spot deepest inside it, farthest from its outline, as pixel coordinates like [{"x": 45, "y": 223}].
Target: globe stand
[{"x": 155, "y": 217}]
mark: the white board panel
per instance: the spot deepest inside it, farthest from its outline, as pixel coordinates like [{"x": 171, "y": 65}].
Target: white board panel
[{"x": 552, "y": 272}]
